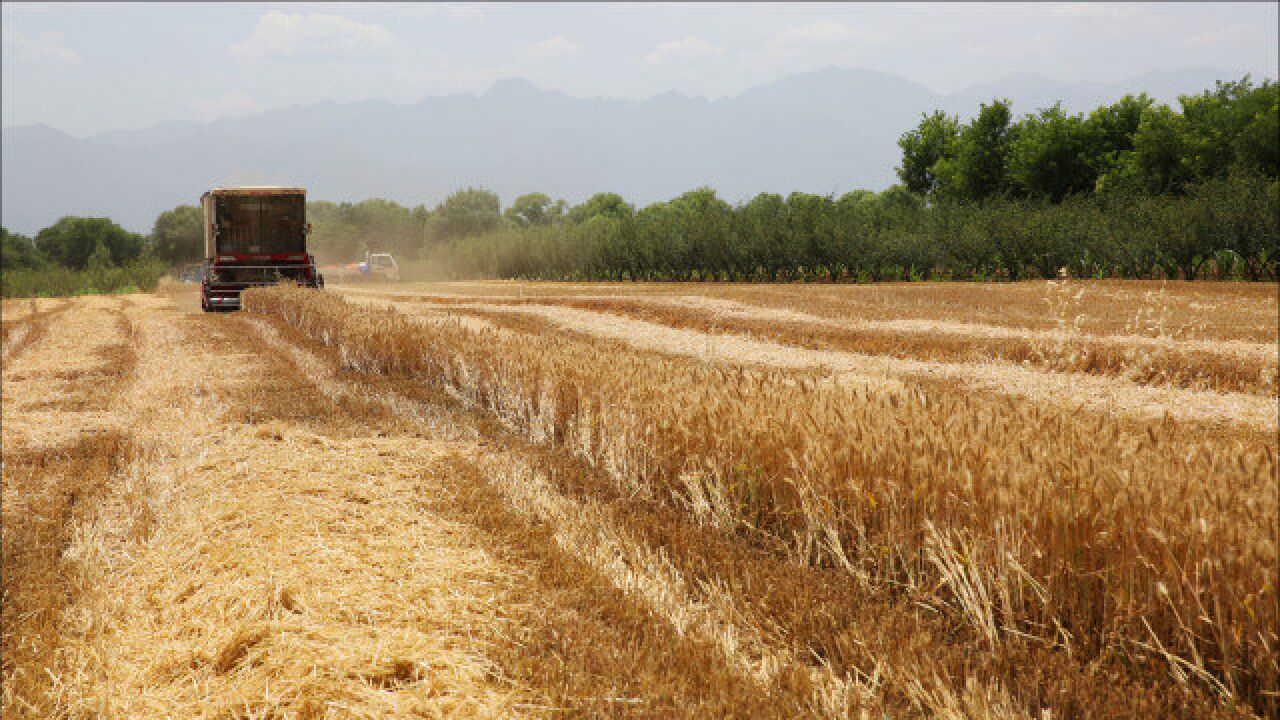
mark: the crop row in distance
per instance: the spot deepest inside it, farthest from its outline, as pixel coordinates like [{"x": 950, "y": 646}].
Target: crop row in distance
[{"x": 1145, "y": 363}]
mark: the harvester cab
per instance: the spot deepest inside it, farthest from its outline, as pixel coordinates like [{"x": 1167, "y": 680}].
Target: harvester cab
[{"x": 254, "y": 236}]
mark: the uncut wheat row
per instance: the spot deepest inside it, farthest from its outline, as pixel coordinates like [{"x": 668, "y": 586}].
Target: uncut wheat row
[
  {"x": 1149, "y": 546},
  {"x": 1253, "y": 370}
]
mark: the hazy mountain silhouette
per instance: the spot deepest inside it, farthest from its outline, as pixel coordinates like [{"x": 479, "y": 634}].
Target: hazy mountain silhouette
[{"x": 826, "y": 132}]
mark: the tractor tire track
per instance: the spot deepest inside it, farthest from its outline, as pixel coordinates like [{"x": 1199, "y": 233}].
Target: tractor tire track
[{"x": 17, "y": 334}]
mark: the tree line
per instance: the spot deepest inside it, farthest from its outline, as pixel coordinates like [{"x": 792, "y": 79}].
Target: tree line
[
  {"x": 340, "y": 232},
  {"x": 77, "y": 255},
  {"x": 1131, "y": 189},
  {"x": 1217, "y": 228},
  {"x": 1133, "y": 145}
]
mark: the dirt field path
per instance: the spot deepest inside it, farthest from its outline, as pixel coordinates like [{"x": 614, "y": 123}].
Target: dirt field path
[{"x": 1094, "y": 393}]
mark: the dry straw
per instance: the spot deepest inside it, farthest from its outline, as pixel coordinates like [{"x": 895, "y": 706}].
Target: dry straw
[{"x": 1146, "y": 546}]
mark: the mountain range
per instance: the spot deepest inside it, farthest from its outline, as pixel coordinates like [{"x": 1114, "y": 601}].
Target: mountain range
[{"x": 827, "y": 131}]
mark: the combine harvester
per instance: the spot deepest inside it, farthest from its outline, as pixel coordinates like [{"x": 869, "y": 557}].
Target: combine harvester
[{"x": 254, "y": 236}]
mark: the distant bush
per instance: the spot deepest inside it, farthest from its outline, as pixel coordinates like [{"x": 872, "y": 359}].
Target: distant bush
[
  {"x": 141, "y": 275},
  {"x": 178, "y": 235},
  {"x": 85, "y": 242},
  {"x": 18, "y": 251}
]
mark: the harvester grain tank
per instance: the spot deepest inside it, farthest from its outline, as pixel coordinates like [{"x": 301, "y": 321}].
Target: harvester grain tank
[{"x": 254, "y": 236}]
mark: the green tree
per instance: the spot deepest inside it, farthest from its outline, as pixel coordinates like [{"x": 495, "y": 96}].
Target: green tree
[
  {"x": 898, "y": 198},
  {"x": 18, "y": 252},
  {"x": 812, "y": 226},
  {"x": 468, "y": 212},
  {"x": 605, "y": 204},
  {"x": 854, "y": 198},
  {"x": 334, "y": 236},
  {"x": 978, "y": 170},
  {"x": 535, "y": 209},
  {"x": 764, "y": 231},
  {"x": 341, "y": 232},
  {"x": 178, "y": 235},
  {"x": 1111, "y": 129},
  {"x": 933, "y": 141},
  {"x": 1051, "y": 156},
  {"x": 384, "y": 226},
  {"x": 1257, "y": 146},
  {"x": 1237, "y": 213},
  {"x": 1233, "y": 124},
  {"x": 71, "y": 241},
  {"x": 700, "y": 229},
  {"x": 100, "y": 258},
  {"x": 1159, "y": 160}
]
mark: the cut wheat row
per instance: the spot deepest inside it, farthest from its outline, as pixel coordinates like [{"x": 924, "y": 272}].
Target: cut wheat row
[{"x": 1146, "y": 544}]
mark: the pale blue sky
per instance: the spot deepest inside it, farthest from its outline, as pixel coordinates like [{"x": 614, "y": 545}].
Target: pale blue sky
[{"x": 94, "y": 67}]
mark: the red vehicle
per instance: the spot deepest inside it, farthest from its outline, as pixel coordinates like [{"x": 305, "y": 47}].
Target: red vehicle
[{"x": 254, "y": 236}]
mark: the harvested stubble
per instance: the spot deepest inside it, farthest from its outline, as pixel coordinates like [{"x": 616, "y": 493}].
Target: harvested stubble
[
  {"x": 47, "y": 493},
  {"x": 306, "y": 586},
  {"x": 23, "y": 323},
  {"x": 583, "y": 642},
  {"x": 1147, "y": 547},
  {"x": 50, "y": 491}
]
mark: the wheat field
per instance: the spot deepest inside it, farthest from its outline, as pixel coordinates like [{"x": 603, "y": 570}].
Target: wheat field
[{"x": 502, "y": 499}]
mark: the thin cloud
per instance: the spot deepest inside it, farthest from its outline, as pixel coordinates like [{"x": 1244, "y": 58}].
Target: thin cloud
[
  {"x": 229, "y": 104},
  {"x": 409, "y": 11},
  {"x": 1030, "y": 46},
  {"x": 282, "y": 35},
  {"x": 826, "y": 32},
  {"x": 556, "y": 46},
  {"x": 689, "y": 48},
  {"x": 1094, "y": 10},
  {"x": 1234, "y": 33},
  {"x": 810, "y": 46},
  {"x": 46, "y": 49}
]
